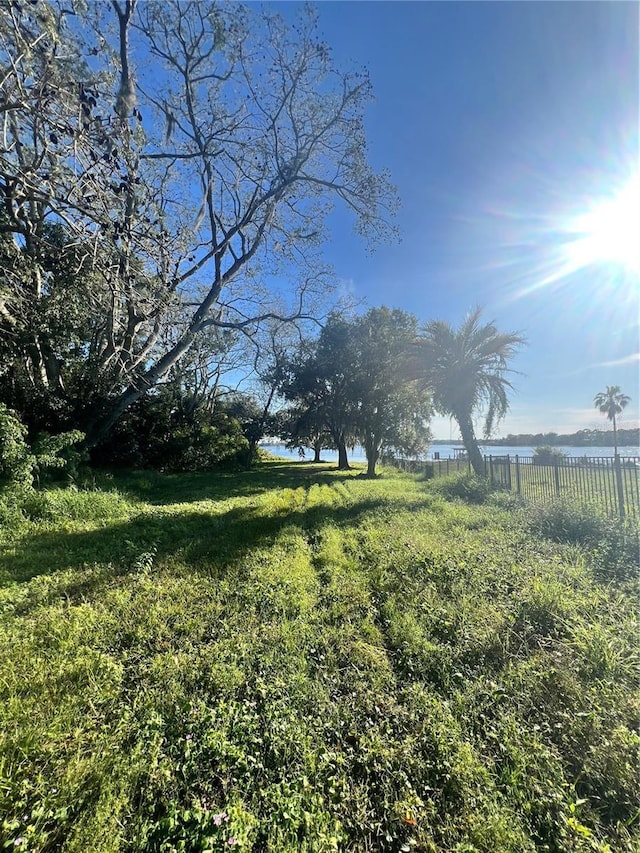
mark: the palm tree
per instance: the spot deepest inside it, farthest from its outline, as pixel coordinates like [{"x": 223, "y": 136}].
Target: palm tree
[
  {"x": 611, "y": 403},
  {"x": 465, "y": 370}
]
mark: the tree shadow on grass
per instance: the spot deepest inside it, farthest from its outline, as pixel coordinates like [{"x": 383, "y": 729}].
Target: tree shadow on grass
[
  {"x": 161, "y": 489},
  {"x": 202, "y": 541}
]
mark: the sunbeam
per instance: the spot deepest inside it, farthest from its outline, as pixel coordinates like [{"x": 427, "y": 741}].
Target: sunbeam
[{"x": 609, "y": 232}]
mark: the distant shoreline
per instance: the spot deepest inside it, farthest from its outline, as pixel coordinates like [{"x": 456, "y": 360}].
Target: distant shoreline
[
  {"x": 627, "y": 438},
  {"x": 583, "y": 438}
]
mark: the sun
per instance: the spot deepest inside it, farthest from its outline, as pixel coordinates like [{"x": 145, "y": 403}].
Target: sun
[{"x": 609, "y": 232}]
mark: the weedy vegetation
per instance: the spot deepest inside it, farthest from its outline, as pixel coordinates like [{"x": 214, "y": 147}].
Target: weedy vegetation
[{"x": 298, "y": 659}]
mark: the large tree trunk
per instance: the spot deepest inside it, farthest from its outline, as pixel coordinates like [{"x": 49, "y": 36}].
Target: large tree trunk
[
  {"x": 102, "y": 422},
  {"x": 317, "y": 447},
  {"x": 372, "y": 454},
  {"x": 471, "y": 445},
  {"x": 343, "y": 461},
  {"x": 371, "y": 466}
]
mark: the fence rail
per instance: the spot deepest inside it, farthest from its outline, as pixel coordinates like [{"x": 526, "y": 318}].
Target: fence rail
[{"x": 612, "y": 483}]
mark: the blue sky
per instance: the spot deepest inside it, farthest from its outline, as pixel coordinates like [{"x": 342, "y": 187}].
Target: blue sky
[{"x": 501, "y": 123}]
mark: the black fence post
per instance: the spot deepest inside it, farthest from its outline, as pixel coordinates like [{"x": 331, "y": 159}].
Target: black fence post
[
  {"x": 518, "y": 488},
  {"x": 491, "y": 469},
  {"x": 620, "y": 490},
  {"x": 556, "y": 477}
]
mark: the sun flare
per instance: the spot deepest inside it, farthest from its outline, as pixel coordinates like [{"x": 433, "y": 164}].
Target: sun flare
[{"x": 609, "y": 232}]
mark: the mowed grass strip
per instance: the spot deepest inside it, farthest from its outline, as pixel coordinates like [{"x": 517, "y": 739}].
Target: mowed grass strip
[{"x": 294, "y": 659}]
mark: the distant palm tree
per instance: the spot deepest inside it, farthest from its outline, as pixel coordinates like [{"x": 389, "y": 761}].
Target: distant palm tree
[
  {"x": 465, "y": 370},
  {"x": 611, "y": 403}
]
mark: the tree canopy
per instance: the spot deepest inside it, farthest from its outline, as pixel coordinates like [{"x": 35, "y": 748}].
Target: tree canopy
[
  {"x": 161, "y": 164},
  {"x": 612, "y": 402},
  {"x": 466, "y": 370},
  {"x": 355, "y": 383}
]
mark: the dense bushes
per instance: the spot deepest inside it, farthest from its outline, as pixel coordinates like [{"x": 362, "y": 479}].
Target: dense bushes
[
  {"x": 15, "y": 462},
  {"x": 22, "y": 464},
  {"x": 167, "y": 431},
  {"x": 170, "y": 431}
]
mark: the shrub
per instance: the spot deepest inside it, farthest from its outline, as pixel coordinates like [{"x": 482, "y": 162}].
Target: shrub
[
  {"x": 564, "y": 521},
  {"x": 613, "y": 544},
  {"x": 546, "y": 455},
  {"x": 10, "y": 515},
  {"x": 22, "y": 464},
  {"x": 466, "y": 486},
  {"x": 505, "y": 500},
  {"x": 57, "y": 453},
  {"x": 163, "y": 432},
  {"x": 16, "y": 461}
]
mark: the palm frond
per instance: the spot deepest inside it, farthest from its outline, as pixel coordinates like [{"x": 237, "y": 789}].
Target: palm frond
[{"x": 467, "y": 368}]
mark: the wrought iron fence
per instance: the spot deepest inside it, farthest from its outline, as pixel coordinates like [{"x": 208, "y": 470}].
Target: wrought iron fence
[{"x": 613, "y": 484}]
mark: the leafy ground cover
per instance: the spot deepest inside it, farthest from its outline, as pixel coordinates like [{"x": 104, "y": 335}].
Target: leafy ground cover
[{"x": 292, "y": 659}]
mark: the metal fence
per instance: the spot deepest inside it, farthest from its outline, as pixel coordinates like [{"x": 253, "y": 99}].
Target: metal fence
[{"x": 612, "y": 484}]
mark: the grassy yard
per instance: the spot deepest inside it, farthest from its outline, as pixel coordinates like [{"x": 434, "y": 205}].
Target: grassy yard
[
  {"x": 594, "y": 483},
  {"x": 293, "y": 659}
]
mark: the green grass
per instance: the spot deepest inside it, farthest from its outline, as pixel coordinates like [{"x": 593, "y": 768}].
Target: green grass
[
  {"x": 292, "y": 659},
  {"x": 593, "y": 486}
]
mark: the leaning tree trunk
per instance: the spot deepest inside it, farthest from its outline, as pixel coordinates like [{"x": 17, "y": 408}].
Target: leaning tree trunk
[
  {"x": 103, "y": 421},
  {"x": 470, "y": 444}
]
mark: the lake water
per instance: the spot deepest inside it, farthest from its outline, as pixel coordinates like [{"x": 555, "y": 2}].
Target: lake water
[{"x": 447, "y": 451}]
